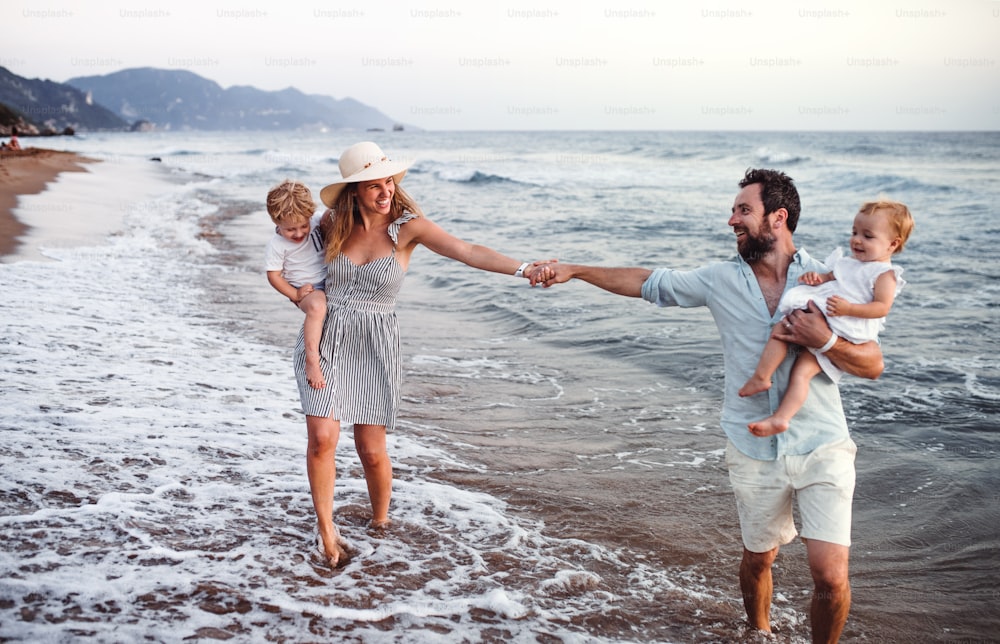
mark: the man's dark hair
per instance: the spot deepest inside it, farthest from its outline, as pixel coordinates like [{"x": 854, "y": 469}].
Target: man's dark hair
[{"x": 777, "y": 190}]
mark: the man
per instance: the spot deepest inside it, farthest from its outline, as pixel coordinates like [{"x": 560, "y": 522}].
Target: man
[{"x": 813, "y": 461}]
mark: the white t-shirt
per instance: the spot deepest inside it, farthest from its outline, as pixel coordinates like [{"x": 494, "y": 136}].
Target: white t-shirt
[{"x": 300, "y": 263}]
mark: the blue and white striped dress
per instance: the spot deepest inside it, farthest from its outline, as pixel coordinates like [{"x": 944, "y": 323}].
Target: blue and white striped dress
[{"x": 359, "y": 350}]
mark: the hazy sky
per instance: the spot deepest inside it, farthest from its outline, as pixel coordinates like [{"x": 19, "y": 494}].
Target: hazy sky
[{"x": 538, "y": 64}]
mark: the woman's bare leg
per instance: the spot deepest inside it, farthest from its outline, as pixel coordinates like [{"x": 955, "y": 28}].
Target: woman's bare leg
[
  {"x": 321, "y": 467},
  {"x": 370, "y": 443}
]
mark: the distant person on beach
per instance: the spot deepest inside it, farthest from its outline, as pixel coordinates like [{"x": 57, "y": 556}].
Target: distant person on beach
[
  {"x": 14, "y": 144},
  {"x": 370, "y": 230},
  {"x": 856, "y": 295},
  {"x": 295, "y": 266},
  {"x": 813, "y": 462}
]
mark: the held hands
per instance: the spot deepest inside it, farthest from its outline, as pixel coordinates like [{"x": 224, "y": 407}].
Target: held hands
[
  {"x": 549, "y": 273},
  {"x": 540, "y": 271}
]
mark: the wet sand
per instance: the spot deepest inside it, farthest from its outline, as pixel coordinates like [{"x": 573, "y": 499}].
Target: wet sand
[{"x": 28, "y": 172}]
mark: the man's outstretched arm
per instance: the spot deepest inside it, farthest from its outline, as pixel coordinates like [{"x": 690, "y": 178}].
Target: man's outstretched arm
[{"x": 621, "y": 281}]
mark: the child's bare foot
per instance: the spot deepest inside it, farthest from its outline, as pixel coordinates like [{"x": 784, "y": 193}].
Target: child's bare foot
[
  {"x": 314, "y": 373},
  {"x": 335, "y": 554},
  {"x": 769, "y": 426},
  {"x": 754, "y": 385}
]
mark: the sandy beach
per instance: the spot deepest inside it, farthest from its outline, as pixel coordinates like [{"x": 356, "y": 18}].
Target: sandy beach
[
  {"x": 52, "y": 199},
  {"x": 27, "y": 172}
]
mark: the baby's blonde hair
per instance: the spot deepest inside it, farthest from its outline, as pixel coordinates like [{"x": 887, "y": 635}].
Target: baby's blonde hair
[
  {"x": 290, "y": 201},
  {"x": 899, "y": 218}
]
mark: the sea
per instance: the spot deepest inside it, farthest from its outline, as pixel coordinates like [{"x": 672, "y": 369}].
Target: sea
[{"x": 559, "y": 469}]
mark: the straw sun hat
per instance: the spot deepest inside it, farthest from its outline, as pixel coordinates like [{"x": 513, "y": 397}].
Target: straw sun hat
[{"x": 363, "y": 162}]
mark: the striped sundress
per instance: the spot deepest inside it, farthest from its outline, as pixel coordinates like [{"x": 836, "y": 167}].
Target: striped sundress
[{"x": 359, "y": 349}]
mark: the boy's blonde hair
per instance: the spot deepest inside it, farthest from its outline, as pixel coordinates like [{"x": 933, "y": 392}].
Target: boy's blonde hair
[
  {"x": 899, "y": 218},
  {"x": 290, "y": 201}
]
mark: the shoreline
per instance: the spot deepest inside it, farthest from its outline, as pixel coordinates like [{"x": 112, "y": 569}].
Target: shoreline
[{"x": 28, "y": 172}]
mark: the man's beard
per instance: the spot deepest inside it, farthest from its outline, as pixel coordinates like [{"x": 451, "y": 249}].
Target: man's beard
[{"x": 754, "y": 249}]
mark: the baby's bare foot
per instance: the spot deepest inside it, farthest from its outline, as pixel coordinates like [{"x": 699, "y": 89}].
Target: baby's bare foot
[
  {"x": 754, "y": 386},
  {"x": 769, "y": 426}
]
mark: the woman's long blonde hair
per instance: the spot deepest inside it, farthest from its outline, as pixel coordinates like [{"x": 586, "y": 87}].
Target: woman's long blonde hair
[{"x": 338, "y": 222}]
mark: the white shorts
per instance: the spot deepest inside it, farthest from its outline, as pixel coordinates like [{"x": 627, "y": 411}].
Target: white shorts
[{"x": 822, "y": 482}]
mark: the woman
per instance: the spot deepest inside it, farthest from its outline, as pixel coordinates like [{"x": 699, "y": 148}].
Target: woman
[{"x": 370, "y": 232}]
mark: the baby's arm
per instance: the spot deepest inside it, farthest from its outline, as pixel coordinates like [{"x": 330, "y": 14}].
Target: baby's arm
[
  {"x": 884, "y": 295},
  {"x": 284, "y": 287},
  {"x": 813, "y": 278}
]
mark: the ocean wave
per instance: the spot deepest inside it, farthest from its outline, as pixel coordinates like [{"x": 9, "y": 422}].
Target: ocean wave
[
  {"x": 473, "y": 177},
  {"x": 766, "y": 155},
  {"x": 178, "y": 152},
  {"x": 891, "y": 184},
  {"x": 289, "y": 169},
  {"x": 864, "y": 149},
  {"x": 677, "y": 155},
  {"x": 658, "y": 152}
]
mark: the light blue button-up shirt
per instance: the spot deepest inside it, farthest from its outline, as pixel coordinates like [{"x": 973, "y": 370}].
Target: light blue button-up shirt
[{"x": 731, "y": 292}]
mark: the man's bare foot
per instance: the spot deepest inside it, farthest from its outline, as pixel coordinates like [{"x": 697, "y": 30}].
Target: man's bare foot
[
  {"x": 333, "y": 554},
  {"x": 754, "y": 386},
  {"x": 314, "y": 373},
  {"x": 769, "y": 426}
]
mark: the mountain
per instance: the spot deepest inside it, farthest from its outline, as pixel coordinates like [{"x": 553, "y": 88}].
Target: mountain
[
  {"x": 179, "y": 99},
  {"x": 363, "y": 113},
  {"x": 46, "y": 107}
]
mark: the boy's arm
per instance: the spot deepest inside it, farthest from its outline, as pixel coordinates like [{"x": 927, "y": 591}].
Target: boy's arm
[
  {"x": 884, "y": 296},
  {"x": 283, "y": 286}
]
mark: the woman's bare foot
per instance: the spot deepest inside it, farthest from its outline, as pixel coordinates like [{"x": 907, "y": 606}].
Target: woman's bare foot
[
  {"x": 754, "y": 386},
  {"x": 380, "y": 525},
  {"x": 769, "y": 426},
  {"x": 314, "y": 373},
  {"x": 335, "y": 554}
]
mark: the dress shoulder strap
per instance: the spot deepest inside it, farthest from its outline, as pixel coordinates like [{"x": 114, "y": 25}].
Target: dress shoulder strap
[{"x": 396, "y": 225}]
